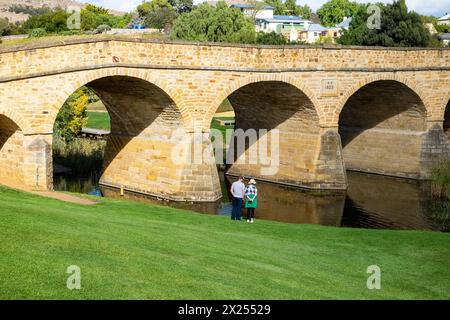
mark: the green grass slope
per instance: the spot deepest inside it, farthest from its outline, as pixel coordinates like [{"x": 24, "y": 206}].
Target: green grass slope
[{"x": 130, "y": 250}]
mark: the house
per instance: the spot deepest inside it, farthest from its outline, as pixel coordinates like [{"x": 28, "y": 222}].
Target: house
[
  {"x": 293, "y": 28},
  {"x": 313, "y": 33},
  {"x": 445, "y": 38},
  {"x": 444, "y": 20},
  {"x": 262, "y": 12},
  {"x": 266, "y": 21},
  {"x": 282, "y": 24}
]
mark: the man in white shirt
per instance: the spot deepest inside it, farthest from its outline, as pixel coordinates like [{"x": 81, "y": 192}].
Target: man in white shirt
[{"x": 238, "y": 193}]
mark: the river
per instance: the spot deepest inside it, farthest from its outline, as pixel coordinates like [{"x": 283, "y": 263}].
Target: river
[{"x": 371, "y": 201}]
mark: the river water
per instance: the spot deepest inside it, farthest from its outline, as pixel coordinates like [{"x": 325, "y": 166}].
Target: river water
[{"x": 371, "y": 201}]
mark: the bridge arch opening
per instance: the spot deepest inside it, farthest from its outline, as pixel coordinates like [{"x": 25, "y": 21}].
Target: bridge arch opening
[
  {"x": 136, "y": 154},
  {"x": 276, "y": 137},
  {"x": 447, "y": 120},
  {"x": 12, "y": 152},
  {"x": 382, "y": 128}
]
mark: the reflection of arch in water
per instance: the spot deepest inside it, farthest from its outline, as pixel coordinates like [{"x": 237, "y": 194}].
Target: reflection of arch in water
[
  {"x": 292, "y": 205},
  {"x": 404, "y": 203}
]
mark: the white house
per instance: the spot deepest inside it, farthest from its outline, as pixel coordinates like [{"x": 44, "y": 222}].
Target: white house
[
  {"x": 263, "y": 12},
  {"x": 314, "y": 32},
  {"x": 282, "y": 24},
  {"x": 266, "y": 21},
  {"x": 444, "y": 20},
  {"x": 445, "y": 38}
]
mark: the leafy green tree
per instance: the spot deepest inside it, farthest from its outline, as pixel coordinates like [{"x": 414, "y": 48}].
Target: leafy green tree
[
  {"x": 399, "y": 28},
  {"x": 4, "y": 24},
  {"x": 145, "y": 8},
  {"x": 96, "y": 9},
  {"x": 291, "y": 7},
  {"x": 88, "y": 20},
  {"x": 73, "y": 115},
  {"x": 158, "y": 14},
  {"x": 161, "y": 18},
  {"x": 271, "y": 38},
  {"x": 52, "y": 21},
  {"x": 333, "y": 12},
  {"x": 216, "y": 24},
  {"x": 305, "y": 11},
  {"x": 279, "y": 7}
]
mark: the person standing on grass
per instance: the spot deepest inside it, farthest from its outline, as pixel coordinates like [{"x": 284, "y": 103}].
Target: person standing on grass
[
  {"x": 238, "y": 193},
  {"x": 251, "y": 200}
]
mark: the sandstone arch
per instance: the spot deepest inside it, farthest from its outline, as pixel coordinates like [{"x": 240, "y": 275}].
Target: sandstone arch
[
  {"x": 138, "y": 155},
  {"x": 12, "y": 151},
  {"x": 80, "y": 79},
  {"x": 281, "y": 108},
  {"x": 383, "y": 128},
  {"x": 236, "y": 84},
  {"x": 412, "y": 85}
]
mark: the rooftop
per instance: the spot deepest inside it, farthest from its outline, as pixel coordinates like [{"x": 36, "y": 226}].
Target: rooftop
[
  {"x": 249, "y": 6},
  {"x": 277, "y": 18},
  {"x": 317, "y": 28},
  {"x": 446, "y": 17}
]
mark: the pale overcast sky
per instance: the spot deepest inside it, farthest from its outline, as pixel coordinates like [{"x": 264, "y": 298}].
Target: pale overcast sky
[{"x": 430, "y": 7}]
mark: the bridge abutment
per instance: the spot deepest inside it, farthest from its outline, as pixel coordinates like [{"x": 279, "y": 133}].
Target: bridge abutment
[
  {"x": 38, "y": 162},
  {"x": 162, "y": 166}
]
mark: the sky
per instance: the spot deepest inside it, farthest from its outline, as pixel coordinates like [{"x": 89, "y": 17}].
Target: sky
[{"x": 428, "y": 7}]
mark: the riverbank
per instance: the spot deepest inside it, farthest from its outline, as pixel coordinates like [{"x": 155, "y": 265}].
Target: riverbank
[{"x": 130, "y": 250}]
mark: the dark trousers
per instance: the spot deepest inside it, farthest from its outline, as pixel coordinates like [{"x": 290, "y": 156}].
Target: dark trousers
[
  {"x": 250, "y": 213},
  {"x": 236, "y": 214}
]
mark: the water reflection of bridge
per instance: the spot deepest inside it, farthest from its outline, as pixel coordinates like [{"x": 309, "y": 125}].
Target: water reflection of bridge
[{"x": 372, "y": 201}]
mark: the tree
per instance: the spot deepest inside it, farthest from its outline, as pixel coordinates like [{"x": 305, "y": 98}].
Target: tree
[
  {"x": 145, "y": 8},
  {"x": 216, "y": 24},
  {"x": 88, "y": 20},
  {"x": 4, "y": 24},
  {"x": 399, "y": 28},
  {"x": 158, "y": 14},
  {"x": 271, "y": 38},
  {"x": 73, "y": 115},
  {"x": 161, "y": 18},
  {"x": 305, "y": 11},
  {"x": 291, "y": 7},
  {"x": 278, "y": 5},
  {"x": 96, "y": 9},
  {"x": 52, "y": 21},
  {"x": 333, "y": 12}
]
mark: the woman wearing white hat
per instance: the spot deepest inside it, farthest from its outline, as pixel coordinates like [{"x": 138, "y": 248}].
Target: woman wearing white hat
[{"x": 251, "y": 200}]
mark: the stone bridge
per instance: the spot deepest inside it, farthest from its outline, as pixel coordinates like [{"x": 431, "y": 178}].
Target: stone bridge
[{"x": 378, "y": 110}]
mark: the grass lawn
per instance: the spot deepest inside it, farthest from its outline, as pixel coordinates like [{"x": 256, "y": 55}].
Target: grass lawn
[
  {"x": 98, "y": 120},
  {"x": 133, "y": 250}
]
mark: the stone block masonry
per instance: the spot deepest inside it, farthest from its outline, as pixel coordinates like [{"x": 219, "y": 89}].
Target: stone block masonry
[{"x": 376, "y": 110}]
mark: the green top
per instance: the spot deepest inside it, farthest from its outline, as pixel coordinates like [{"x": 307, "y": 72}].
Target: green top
[{"x": 251, "y": 204}]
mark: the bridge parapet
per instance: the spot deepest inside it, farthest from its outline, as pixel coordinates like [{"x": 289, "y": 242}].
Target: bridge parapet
[{"x": 83, "y": 54}]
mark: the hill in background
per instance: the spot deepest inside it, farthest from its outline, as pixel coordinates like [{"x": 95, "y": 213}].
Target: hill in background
[{"x": 5, "y": 5}]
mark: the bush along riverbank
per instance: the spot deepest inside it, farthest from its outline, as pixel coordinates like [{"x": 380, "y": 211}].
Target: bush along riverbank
[
  {"x": 440, "y": 191},
  {"x": 84, "y": 157}
]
